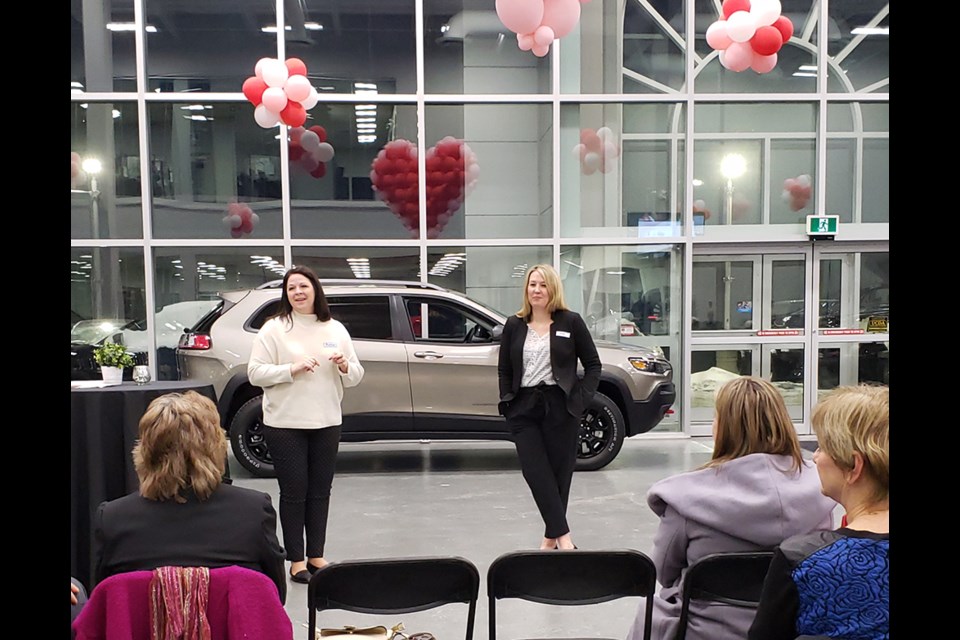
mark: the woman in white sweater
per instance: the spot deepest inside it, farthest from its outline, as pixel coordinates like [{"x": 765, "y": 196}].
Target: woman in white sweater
[{"x": 303, "y": 359}]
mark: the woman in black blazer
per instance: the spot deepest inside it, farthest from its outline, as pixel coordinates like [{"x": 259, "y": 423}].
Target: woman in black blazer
[
  {"x": 542, "y": 397},
  {"x": 183, "y": 514}
]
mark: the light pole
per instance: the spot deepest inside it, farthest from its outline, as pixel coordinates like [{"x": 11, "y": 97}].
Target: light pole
[
  {"x": 732, "y": 165},
  {"x": 92, "y": 167}
]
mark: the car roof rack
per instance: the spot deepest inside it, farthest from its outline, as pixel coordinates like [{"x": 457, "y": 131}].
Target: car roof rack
[{"x": 359, "y": 282}]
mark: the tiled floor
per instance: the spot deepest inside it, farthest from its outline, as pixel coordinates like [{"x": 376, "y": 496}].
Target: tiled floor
[{"x": 468, "y": 499}]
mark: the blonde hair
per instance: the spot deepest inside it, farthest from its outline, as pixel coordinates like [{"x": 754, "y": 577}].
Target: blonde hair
[
  {"x": 181, "y": 446},
  {"x": 554, "y": 289},
  {"x": 857, "y": 419},
  {"x": 752, "y": 418}
]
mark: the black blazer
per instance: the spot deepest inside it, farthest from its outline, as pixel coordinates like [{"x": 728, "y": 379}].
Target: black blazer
[
  {"x": 234, "y": 526},
  {"x": 570, "y": 341}
]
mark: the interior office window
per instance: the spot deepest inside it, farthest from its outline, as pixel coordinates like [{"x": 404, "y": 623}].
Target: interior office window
[
  {"x": 858, "y": 44},
  {"x": 105, "y": 172},
  {"x": 102, "y": 47},
  {"x": 215, "y": 173},
  {"x": 365, "y": 317}
]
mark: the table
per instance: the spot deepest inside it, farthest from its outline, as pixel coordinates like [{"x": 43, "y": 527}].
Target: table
[{"x": 104, "y": 427}]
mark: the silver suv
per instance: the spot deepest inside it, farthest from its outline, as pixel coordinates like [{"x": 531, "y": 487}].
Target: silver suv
[{"x": 430, "y": 357}]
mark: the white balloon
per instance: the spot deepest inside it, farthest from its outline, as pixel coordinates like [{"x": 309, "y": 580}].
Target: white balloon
[
  {"x": 741, "y": 26},
  {"x": 722, "y": 56},
  {"x": 785, "y": 196},
  {"x": 610, "y": 150},
  {"x": 804, "y": 180},
  {"x": 591, "y": 161},
  {"x": 274, "y": 99},
  {"x": 265, "y": 118},
  {"x": 323, "y": 152},
  {"x": 605, "y": 134},
  {"x": 765, "y": 12},
  {"x": 577, "y": 150},
  {"x": 717, "y": 36},
  {"x": 258, "y": 70},
  {"x": 235, "y": 221},
  {"x": 311, "y": 100},
  {"x": 297, "y": 88},
  {"x": 699, "y": 204},
  {"x": 254, "y": 218},
  {"x": 310, "y": 141},
  {"x": 275, "y": 73}
]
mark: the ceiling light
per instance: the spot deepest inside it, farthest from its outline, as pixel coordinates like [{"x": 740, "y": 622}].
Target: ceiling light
[
  {"x": 128, "y": 26},
  {"x": 366, "y": 139},
  {"x": 697, "y": 182},
  {"x": 733, "y": 165},
  {"x": 313, "y": 26},
  {"x": 807, "y": 67},
  {"x": 804, "y": 74},
  {"x": 358, "y": 107},
  {"x": 870, "y": 31},
  {"x": 359, "y": 120},
  {"x": 91, "y": 165},
  {"x": 364, "y": 85}
]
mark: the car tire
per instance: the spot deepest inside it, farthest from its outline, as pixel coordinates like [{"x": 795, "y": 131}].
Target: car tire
[
  {"x": 247, "y": 441},
  {"x": 600, "y": 435}
]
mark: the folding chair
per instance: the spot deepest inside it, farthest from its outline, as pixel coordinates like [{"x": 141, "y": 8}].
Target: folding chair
[
  {"x": 730, "y": 578},
  {"x": 394, "y": 585},
  {"x": 579, "y": 577}
]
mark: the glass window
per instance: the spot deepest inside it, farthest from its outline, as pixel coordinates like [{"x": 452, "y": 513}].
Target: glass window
[
  {"x": 365, "y": 317},
  {"x": 105, "y": 197},
  {"x": 858, "y": 43},
  {"x": 185, "y": 274},
  {"x": 723, "y": 294},
  {"x": 792, "y": 162},
  {"x": 439, "y": 321},
  {"x": 102, "y": 46},
  {"x": 851, "y": 364},
  {"x": 858, "y": 130},
  {"x": 353, "y": 263},
  {"x": 468, "y": 50},
  {"x": 334, "y": 197},
  {"x": 787, "y": 294},
  {"x": 500, "y": 186},
  {"x": 841, "y": 165},
  {"x": 876, "y": 180}
]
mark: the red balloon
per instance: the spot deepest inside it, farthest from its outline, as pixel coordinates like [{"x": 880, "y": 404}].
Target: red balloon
[
  {"x": 296, "y": 67},
  {"x": 320, "y": 131},
  {"x": 784, "y": 26},
  {"x": 296, "y": 151},
  {"x": 731, "y": 6},
  {"x": 320, "y": 171},
  {"x": 293, "y": 115},
  {"x": 767, "y": 40},
  {"x": 253, "y": 88}
]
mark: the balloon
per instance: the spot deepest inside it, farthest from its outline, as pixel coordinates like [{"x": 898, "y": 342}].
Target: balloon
[
  {"x": 310, "y": 141},
  {"x": 804, "y": 180},
  {"x": 319, "y": 171},
  {"x": 729, "y": 7},
  {"x": 295, "y": 133},
  {"x": 266, "y": 118},
  {"x": 740, "y": 26},
  {"x": 789, "y": 183},
  {"x": 540, "y": 51},
  {"x": 525, "y": 41},
  {"x": 293, "y": 114},
  {"x": 520, "y": 16},
  {"x": 766, "y": 41},
  {"x": 591, "y": 161},
  {"x": 324, "y": 152},
  {"x": 258, "y": 69},
  {"x": 784, "y": 26},
  {"x": 717, "y": 36},
  {"x": 295, "y": 151},
  {"x": 274, "y": 99},
  {"x": 610, "y": 150},
  {"x": 309, "y": 162},
  {"x": 763, "y": 64},
  {"x": 275, "y": 73},
  {"x": 765, "y": 12},
  {"x": 320, "y": 131},
  {"x": 699, "y": 204},
  {"x": 590, "y": 138},
  {"x": 253, "y": 88},
  {"x": 605, "y": 134},
  {"x": 738, "y": 56},
  {"x": 311, "y": 100},
  {"x": 543, "y": 36},
  {"x": 579, "y": 151},
  {"x": 298, "y": 87},
  {"x": 296, "y": 67},
  {"x": 561, "y": 16}
]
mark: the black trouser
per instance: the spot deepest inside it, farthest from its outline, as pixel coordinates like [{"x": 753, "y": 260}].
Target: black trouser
[
  {"x": 546, "y": 438},
  {"x": 304, "y": 460}
]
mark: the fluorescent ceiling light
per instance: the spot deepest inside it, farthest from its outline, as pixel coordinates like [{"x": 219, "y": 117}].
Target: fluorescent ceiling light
[
  {"x": 128, "y": 26},
  {"x": 358, "y": 107},
  {"x": 196, "y": 107},
  {"x": 364, "y": 85},
  {"x": 870, "y": 31},
  {"x": 616, "y": 273},
  {"x": 366, "y": 139},
  {"x": 804, "y": 74},
  {"x": 697, "y": 182},
  {"x": 309, "y": 26},
  {"x": 807, "y": 67},
  {"x": 366, "y": 120}
]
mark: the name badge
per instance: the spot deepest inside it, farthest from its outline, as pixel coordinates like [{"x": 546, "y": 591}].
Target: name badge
[
  {"x": 563, "y": 334},
  {"x": 330, "y": 344}
]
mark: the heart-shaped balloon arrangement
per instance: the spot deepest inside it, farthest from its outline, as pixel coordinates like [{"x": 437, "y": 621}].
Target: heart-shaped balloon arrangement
[
  {"x": 538, "y": 23},
  {"x": 597, "y": 150},
  {"x": 452, "y": 173},
  {"x": 240, "y": 219},
  {"x": 797, "y": 191},
  {"x": 280, "y": 92},
  {"x": 309, "y": 150},
  {"x": 749, "y": 34}
]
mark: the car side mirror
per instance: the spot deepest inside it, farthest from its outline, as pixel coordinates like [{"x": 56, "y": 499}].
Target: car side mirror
[{"x": 496, "y": 332}]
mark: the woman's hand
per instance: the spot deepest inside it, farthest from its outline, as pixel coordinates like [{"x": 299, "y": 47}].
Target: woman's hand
[
  {"x": 308, "y": 363},
  {"x": 341, "y": 361}
]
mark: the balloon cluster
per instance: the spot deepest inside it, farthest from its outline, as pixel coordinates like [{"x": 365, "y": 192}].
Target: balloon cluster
[
  {"x": 240, "y": 219},
  {"x": 597, "y": 150},
  {"x": 309, "y": 149},
  {"x": 75, "y": 169},
  {"x": 280, "y": 92},
  {"x": 749, "y": 34},
  {"x": 699, "y": 206},
  {"x": 796, "y": 191},
  {"x": 538, "y": 23},
  {"x": 452, "y": 173}
]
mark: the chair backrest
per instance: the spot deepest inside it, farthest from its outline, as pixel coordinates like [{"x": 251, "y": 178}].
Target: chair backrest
[
  {"x": 394, "y": 585},
  {"x": 730, "y": 578},
  {"x": 578, "y": 577}
]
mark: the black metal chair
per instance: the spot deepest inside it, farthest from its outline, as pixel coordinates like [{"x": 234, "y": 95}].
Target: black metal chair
[
  {"x": 731, "y": 578},
  {"x": 579, "y": 577},
  {"x": 394, "y": 585}
]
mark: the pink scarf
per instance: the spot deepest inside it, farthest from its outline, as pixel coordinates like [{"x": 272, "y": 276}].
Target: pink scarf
[{"x": 178, "y": 603}]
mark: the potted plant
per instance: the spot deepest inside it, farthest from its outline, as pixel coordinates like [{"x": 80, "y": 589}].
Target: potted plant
[{"x": 112, "y": 358}]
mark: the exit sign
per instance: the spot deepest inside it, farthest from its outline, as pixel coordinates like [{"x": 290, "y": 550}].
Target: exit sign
[{"x": 822, "y": 225}]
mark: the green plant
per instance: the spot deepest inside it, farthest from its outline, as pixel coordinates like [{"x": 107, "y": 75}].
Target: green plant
[{"x": 111, "y": 354}]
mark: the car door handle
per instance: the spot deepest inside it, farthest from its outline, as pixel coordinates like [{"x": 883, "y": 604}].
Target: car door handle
[{"x": 432, "y": 355}]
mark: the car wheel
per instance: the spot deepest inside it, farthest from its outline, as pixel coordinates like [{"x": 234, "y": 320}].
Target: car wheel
[
  {"x": 247, "y": 441},
  {"x": 601, "y": 434}
]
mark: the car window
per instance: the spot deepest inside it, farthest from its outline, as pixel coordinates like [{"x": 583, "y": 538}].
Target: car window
[
  {"x": 365, "y": 317},
  {"x": 262, "y": 315},
  {"x": 446, "y": 322}
]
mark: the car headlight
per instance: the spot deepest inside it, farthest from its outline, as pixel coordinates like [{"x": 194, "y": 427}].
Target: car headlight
[{"x": 647, "y": 365}]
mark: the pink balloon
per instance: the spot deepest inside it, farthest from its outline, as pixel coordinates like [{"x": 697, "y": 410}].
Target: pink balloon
[
  {"x": 717, "y": 36},
  {"x": 739, "y": 56},
  {"x": 561, "y": 16},
  {"x": 543, "y": 36},
  {"x": 763, "y": 64},
  {"x": 520, "y": 16},
  {"x": 525, "y": 41},
  {"x": 789, "y": 183},
  {"x": 297, "y": 88},
  {"x": 274, "y": 99},
  {"x": 540, "y": 51}
]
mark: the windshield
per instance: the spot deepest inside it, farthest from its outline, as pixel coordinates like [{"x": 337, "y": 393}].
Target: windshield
[{"x": 94, "y": 330}]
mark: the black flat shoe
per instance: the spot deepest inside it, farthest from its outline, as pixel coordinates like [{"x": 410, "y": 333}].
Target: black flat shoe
[
  {"x": 302, "y": 576},
  {"x": 313, "y": 569}
]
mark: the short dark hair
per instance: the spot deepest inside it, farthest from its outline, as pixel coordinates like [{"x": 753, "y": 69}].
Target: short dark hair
[{"x": 320, "y": 306}]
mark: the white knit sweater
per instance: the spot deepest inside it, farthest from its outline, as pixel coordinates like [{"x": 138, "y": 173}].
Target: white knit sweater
[{"x": 310, "y": 400}]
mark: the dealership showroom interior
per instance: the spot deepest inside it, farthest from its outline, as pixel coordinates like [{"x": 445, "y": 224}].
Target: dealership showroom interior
[{"x": 715, "y": 202}]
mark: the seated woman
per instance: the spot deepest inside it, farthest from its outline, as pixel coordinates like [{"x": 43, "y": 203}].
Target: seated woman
[
  {"x": 183, "y": 514},
  {"x": 836, "y": 584},
  {"x": 756, "y": 491}
]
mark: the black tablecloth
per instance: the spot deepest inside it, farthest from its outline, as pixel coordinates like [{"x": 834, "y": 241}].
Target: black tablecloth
[{"x": 103, "y": 430}]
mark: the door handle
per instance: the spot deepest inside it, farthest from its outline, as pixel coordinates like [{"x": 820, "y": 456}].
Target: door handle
[{"x": 430, "y": 355}]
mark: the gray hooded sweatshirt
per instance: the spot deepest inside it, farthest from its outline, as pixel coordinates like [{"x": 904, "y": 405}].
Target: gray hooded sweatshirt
[{"x": 747, "y": 504}]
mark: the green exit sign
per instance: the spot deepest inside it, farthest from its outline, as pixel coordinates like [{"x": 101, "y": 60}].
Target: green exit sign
[{"x": 822, "y": 225}]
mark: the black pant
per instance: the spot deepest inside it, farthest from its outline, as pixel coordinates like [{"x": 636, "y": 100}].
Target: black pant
[
  {"x": 304, "y": 460},
  {"x": 546, "y": 438}
]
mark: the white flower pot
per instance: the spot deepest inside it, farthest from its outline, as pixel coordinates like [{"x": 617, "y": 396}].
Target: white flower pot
[{"x": 112, "y": 375}]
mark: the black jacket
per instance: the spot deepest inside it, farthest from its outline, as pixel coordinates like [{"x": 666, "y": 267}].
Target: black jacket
[{"x": 570, "y": 341}]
